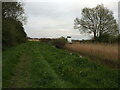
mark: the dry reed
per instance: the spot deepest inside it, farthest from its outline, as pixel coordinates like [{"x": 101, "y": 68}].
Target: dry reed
[{"x": 104, "y": 51}]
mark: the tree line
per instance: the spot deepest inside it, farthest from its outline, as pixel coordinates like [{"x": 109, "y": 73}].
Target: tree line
[
  {"x": 13, "y": 18},
  {"x": 98, "y": 20}
]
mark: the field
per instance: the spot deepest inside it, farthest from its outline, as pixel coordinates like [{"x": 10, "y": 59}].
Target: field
[{"x": 39, "y": 65}]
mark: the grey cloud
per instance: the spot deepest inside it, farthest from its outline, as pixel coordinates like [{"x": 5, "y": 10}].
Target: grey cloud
[
  {"x": 46, "y": 9},
  {"x": 52, "y": 19}
]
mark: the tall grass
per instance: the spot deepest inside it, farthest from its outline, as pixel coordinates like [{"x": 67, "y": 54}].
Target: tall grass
[{"x": 104, "y": 51}]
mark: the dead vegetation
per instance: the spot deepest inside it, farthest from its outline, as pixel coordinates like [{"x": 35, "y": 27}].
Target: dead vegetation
[{"x": 103, "y": 51}]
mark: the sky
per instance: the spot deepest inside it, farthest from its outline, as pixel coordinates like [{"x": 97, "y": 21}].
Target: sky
[{"x": 55, "y": 18}]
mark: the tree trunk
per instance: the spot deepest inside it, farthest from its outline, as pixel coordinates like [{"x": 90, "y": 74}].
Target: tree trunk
[
  {"x": 100, "y": 33},
  {"x": 94, "y": 35}
]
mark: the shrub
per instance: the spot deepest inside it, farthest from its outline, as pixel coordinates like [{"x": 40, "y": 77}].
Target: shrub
[
  {"x": 118, "y": 38},
  {"x": 107, "y": 38},
  {"x": 46, "y": 40},
  {"x": 12, "y": 33},
  {"x": 59, "y": 43}
]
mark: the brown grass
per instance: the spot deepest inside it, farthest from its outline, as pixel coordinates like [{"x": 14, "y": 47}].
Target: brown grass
[{"x": 104, "y": 51}]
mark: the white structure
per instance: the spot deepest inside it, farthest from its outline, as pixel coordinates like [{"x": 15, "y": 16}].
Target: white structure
[{"x": 69, "y": 39}]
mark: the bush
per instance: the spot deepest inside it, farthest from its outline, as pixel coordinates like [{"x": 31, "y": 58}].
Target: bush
[
  {"x": 12, "y": 33},
  {"x": 107, "y": 38},
  {"x": 118, "y": 38},
  {"x": 46, "y": 40},
  {"x": 59, "y": 43}
]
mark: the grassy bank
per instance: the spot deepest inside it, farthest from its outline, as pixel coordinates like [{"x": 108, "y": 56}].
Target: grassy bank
[{"x": 40, "y": 66}]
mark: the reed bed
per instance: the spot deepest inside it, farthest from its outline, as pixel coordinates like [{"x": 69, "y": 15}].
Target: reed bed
[{"x": 101, "y": 50}]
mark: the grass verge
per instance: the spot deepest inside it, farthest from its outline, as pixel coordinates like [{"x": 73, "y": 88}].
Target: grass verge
[{"x": 55, "y": 68}]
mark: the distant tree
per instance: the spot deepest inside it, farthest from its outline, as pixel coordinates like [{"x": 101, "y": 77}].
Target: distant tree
[{"x": 98, "y": 20}]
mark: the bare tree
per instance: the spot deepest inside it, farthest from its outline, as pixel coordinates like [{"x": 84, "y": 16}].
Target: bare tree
[{"x": 98, "y": 20}]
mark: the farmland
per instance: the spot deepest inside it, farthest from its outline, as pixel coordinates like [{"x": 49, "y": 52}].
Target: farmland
[{"x": 39, "y": 65}]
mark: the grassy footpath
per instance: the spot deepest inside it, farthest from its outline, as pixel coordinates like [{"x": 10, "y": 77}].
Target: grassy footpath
[{"x": 38, "y": 65}]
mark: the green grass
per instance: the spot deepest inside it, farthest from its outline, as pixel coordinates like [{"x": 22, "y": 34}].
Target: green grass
[
  {"x": 0, "y": 69},
  {"x": 49, "y": 67}
]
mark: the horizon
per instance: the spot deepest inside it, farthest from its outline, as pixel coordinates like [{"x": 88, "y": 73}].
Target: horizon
[{"x": 47, "y": 19}]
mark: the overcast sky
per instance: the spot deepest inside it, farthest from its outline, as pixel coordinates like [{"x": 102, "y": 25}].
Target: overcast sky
[{"x": 55, "y": 18}]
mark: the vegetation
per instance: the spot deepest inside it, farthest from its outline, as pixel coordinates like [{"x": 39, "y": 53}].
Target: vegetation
[
  {"x": 59, "y": 43},
  {"x": 39, "y": 65},
  {"x": 107, "y": 52},
  {"x": 106, "y": 38},
  {"x": 12, "y": 24},
  {"x": 98, "y": 20}
]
